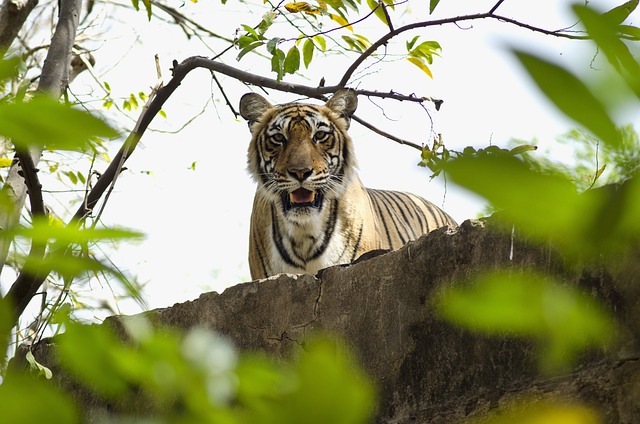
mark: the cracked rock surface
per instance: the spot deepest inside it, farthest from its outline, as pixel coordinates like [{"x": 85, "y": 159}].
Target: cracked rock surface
[{"x": 427, "y": 371}]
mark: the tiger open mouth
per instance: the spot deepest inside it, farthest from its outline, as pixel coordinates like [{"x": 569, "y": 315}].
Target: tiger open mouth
[{"x": 302, "y": 198}]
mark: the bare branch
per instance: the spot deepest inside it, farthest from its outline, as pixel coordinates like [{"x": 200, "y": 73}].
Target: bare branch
[
  {"x": 385, "y": 134},
  {"x": 496, "y": 6},
  {"x": 386, "y": 14}
]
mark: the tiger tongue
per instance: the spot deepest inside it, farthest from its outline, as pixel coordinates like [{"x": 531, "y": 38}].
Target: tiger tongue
[{"x": 301, "y": 195}]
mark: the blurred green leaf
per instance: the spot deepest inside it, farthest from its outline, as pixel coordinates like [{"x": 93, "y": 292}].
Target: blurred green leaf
[
  {"x": 547, "y": 206},
  {"x": 9, "y": 68},
  {"x": 24, "y": 399},
  {"x": 89, "y": 352},
  {"x": 544, "y": 205},
  {"x": 571, "y": 96},
  {"x": 618, "y": 14},
  {"x": 535, "y": 411},
  {"x": 41, "y": 231},
  {"x": 630, "y": 31},
  {"x": 58, "y": 127},
  {"x": 560, "y": 317},
  {"x": 325, "y": 387},
  {"x": 604, "y": 31}
]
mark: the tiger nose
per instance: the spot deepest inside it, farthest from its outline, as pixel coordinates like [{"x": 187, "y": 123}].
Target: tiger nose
[{"x": 300, "y": 174}]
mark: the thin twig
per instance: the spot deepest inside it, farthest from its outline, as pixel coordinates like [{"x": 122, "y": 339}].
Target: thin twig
[
  {"x": 385, "y": 134},
  {"x": 496, "y": 6}
]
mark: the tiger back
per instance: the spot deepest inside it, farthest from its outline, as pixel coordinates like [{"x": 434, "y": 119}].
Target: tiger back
[{"x": 310, "y": 210}]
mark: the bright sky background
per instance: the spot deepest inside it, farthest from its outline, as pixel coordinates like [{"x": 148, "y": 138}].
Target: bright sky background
[{"x": 196, "y": 221}]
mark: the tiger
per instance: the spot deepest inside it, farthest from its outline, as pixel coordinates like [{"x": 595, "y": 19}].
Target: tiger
[{"x": 310, "y": 209}]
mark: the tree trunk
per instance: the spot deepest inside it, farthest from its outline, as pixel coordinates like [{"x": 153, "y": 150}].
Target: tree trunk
[{"x": 53, "y": 82}]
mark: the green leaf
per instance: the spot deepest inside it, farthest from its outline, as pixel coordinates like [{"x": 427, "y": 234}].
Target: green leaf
[
  {"x": 252, "y": 32},
  {"x": 307, "y": 51},
  {"x": 604, "y": 32},
  {"x": 249, "y": 48},
  {"x": 273, "y": 44},
  {"x": 571, "y": 96},
  {"x": 421, "y": 64},
  {"x": 630, "y": 31},
  {"x": 378, "y": 10},
  {"x": 267, "y": 20},
  {"x": 45, "y": 123},
  {"x": 540, "y": 205},
  {"x": 9, "y": 68},
  {"x": 432, "y": 5},
  {"x": 411, "y": 43},
  {"x": 72, "y": 177},
  {"x": 53, "y": 406},
  {"x": 292, "y": 60},
  {"x": 618, "y": 14},
  {"x": 561, "y": 318},
  {"x": 358, "y": 42},
  {"x": 147, "y": 7},
  {"x": 321, "y": 42},
  {"x": 324, "y": 386},
  {"x": 94, "y": 363},
  {"x": 133, "y": 101},
  {"x": 136, "y": 4},
  {"x": 42, "y": 232},
  {"x": 37, "y": 367},
  {"x": 277, "y": 63}
]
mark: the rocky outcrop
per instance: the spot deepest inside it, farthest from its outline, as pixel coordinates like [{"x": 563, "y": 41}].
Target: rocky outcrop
[{"x": 427, "y": 370}]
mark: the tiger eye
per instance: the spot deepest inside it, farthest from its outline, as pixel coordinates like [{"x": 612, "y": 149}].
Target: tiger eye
[
  {"x": 320, "y": 136},
  {"x": 278, "y": 138}
]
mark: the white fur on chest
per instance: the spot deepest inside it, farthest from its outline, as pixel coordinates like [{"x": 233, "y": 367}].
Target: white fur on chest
[{"x": 307, "y": 237}]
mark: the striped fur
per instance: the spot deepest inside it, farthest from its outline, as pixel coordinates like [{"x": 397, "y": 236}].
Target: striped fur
[{"x": 310, "y": 209}]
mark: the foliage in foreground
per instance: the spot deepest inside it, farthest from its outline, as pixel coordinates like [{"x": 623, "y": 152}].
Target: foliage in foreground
[
  {"x": 193, "y": 378},
  {"x": 198, "y": 378}
]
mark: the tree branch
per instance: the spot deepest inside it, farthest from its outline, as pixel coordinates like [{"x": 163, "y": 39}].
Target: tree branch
[
  {"x": 424, "y": 24},
  {"x": 55, "y": 71},
  {"x": 55, "y": 74},
  {"x": 13, "y": 14}
]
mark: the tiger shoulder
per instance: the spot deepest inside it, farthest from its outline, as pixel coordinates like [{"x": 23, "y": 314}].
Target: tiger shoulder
[{"x": 310, "y": 209}]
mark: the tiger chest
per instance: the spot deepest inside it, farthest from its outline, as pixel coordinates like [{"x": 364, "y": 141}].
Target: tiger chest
[{"x": 309, "y": 248}]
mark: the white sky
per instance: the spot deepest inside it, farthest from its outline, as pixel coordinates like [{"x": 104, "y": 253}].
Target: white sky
[{"x": 196, "y": 221}]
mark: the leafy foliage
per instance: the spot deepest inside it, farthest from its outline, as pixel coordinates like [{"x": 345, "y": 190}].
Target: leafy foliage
[
  {"x": 563, "y": 320},
  {"x": 51, "y": 130},
  {"x": 540, "y": 200},
  {"x": 198, "y": 377}
]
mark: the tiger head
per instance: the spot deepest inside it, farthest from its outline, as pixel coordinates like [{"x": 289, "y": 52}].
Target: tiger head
[{"x": 300, "y": 154}]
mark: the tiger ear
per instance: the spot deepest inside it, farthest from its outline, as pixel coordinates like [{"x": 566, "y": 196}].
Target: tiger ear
[
  {"x": 253, "y": 106},
  {"x": 344, "y": 102}
]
